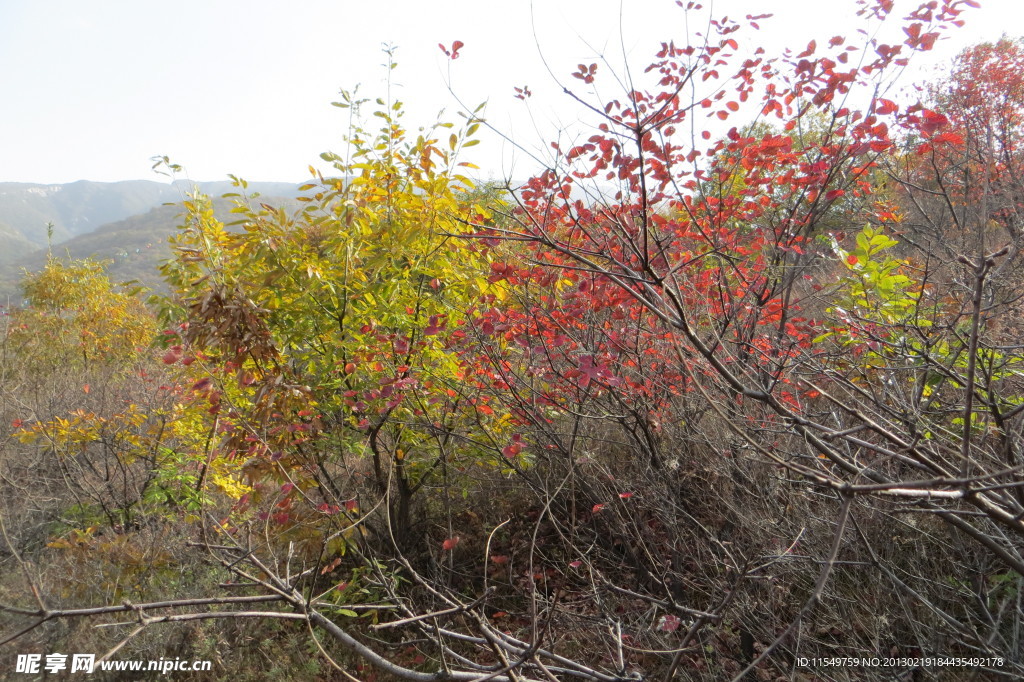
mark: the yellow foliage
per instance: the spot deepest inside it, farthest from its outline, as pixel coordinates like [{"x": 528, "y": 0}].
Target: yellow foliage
[{"x": 76, "y": 316}]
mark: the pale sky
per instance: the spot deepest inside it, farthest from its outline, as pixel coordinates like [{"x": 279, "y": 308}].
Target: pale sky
[{"x": 93, "y": 90}]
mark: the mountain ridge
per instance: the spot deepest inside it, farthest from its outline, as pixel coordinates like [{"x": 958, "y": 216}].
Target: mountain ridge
[
  {"x": 80, "y": 207},
  {"x": 133, "y": 245}
]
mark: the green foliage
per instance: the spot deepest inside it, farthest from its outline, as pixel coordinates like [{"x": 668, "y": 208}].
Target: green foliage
[{"x": 876, "y": 287}]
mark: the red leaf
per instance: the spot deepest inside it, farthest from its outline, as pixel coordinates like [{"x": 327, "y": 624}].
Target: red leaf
[
  {"x": 884, "y": 106},
  {"x": 669, "y": 623},
  {"x": 932, "y": 122},
  {"x": 449, "y": 544}
]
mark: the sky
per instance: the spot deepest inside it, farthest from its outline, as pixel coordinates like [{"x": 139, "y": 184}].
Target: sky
[{"x": 94, "y": 90}]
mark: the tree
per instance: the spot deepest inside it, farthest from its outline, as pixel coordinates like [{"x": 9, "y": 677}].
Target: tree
[
  {"x": 68, "y": 353},
  {"x": 95, "y": 488},
  {"x": 834, "y": 380},
  {"x": 78, "y": 317},
  {"x": 335, "y": 331}
]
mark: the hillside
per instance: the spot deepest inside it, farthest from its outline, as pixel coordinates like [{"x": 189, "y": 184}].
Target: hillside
[
  {"x": 81, "y": 207},
  {"x": 132, "y": 247}
]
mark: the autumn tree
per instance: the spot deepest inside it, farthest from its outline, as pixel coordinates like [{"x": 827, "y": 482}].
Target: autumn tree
[
  {"x": 76, "y": 339},
  {"x": 94, "y": 481},
  {"x": 829, "y": 374}
]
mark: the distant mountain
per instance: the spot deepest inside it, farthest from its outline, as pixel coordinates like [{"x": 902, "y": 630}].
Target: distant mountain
[
  {"x": 81, "y": 207},
  {"x": 133, "y": 247}
]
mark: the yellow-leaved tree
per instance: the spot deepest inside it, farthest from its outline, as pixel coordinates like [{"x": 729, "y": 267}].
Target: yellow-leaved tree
[{"x": 332, "y": 334}]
